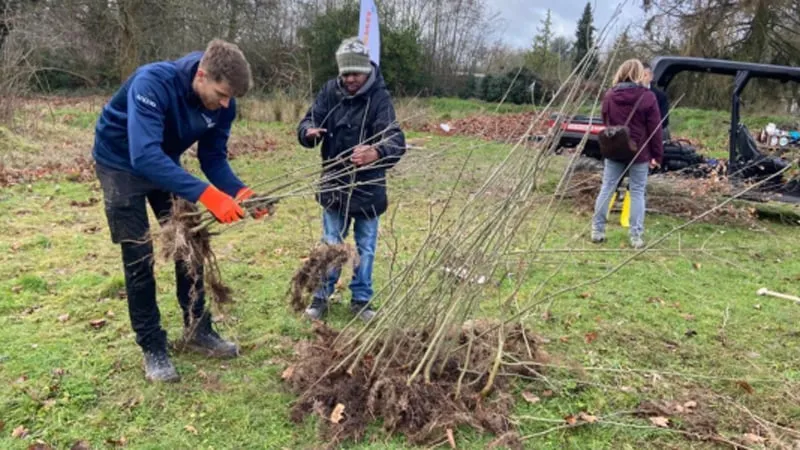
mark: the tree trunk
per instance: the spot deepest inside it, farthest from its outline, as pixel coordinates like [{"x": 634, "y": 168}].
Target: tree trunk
[{"x": 129, "y": 39}]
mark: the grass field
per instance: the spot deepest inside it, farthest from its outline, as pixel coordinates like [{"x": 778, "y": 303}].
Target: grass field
[{"x": 680, "y": 324}]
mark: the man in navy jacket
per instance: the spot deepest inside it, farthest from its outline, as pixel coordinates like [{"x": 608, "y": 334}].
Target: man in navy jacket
[
  {"x": 354, "y": 120},
  {"x": 159, "y": 112}
]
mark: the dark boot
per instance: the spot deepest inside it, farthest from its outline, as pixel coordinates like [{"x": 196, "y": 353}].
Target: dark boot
[
  {"x": 362, "y": 310},
  {"x": 158, "y": 367},
  {"x": 202, "y": 339},
  {"x": 317, "y": 309}
]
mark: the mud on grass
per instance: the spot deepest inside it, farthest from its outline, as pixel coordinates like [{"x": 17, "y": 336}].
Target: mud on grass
[{"x": 347, "y": 402}]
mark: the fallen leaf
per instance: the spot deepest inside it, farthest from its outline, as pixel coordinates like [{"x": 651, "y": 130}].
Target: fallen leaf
[
  {"x": 696, "y": 266},
  {"x": 117, "y": 442},
  {"x": 81, "y": 445},
  {"x": 110, "y": 314},
  {"x": 745, "y": 386},
  {"x": 590, "y": 337},
  {"x": 564, "y": 339},
  {"x": 588, "y": 418},
  {"x": 190, "y": 429},
  {"x": 2, "y": 425},
  {"x": 97, "y": 323},
  {"x": 530, "y": 398},
  {"x": 287, "y": 373},
  {"x": 19, "y": 432},
  {"x": 586, "y": 295},
  {"x": 450, "y": 438},
  {"x": 659, "y": 421},
  {"x": 691, "y": 404},
  {"x": 63, "y": 318},
  {"x": 547, "y": 393},
  {"x": 750, "y": 438},
  {"x": 38, "y": 445},
  {"x": 571, "y": 420},
  {"x": 338, "y": 413}
]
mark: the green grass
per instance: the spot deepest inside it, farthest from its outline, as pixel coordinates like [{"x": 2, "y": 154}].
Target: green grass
[{"x": 689, "y": 312}]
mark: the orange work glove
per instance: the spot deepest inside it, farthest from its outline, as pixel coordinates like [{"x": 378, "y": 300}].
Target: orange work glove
[
  {"x": 244, "y": 194},
  {"x": 221, "y": 205}
]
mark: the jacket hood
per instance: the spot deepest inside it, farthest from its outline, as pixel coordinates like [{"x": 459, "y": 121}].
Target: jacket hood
[
  {"x": 374, "y": 81},
  {"x": 627, "y": 93},
  {"x": 186, "y": 67}
]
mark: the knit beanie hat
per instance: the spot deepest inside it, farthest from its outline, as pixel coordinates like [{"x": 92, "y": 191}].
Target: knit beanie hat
[{"x": 353, "y": 56}]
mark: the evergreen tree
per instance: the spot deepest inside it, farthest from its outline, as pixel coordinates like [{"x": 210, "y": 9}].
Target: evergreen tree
[{"x": 584, "y": 38}]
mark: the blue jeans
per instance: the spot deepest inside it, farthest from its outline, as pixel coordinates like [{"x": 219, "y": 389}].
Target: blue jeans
[
  {"x": 335, "y": 228},
  {"x": 612, "y": 173}
]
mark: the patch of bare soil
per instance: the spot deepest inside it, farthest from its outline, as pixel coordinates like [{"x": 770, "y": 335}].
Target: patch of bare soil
[{"x": 425, "y": 412}]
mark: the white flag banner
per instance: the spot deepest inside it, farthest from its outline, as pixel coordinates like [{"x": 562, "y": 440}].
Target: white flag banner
[{"x": 369, "y": 31}]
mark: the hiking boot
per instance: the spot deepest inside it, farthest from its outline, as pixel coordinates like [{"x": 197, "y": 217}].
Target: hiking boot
[
  {"x": 158, "y": 367},
  {"x": 637, "y": 242},
  {"x": 598, "y": 237},
  {"x": 206, "y": 341},
  {"x": 362, "y": 310},
  {"x": 317, "y": 309}
]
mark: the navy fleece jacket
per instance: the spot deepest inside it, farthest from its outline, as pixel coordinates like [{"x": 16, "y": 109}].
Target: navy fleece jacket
[{"x": 155, "y": 117}]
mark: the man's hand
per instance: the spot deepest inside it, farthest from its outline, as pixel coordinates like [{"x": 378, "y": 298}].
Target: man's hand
[
  {"x": 315, "y": 133},
  {"x": 654, "y": 164},
  {"x": 221, "y": 205},
  {"x": 257, "y": 212},
  {"x": 363, "y": 155}
]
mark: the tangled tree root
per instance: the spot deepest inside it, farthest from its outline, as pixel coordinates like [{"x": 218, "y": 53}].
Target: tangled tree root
[
  {"x": 347, "y": 402},
  {"x": 183, "y": 240},
  {"x": 323, "y": 259}
]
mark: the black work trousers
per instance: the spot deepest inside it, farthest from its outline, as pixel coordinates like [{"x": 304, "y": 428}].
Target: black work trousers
[{"x": 125, "y": 197}]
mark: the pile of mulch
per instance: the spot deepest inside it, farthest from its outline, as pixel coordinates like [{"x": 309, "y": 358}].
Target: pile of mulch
[
  {"x": 504, "y": 128},
  {"x": 425, "y": 413},
  {"x": 673, "y": 195}
]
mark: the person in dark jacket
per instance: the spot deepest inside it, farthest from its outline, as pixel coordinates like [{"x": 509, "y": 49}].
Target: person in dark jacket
[
  {"x": 354, "y": 119},
  {"x": 663, "y": 101},
  {"x": 161, "y": 110},
  {"x": 628, "y": 98}
]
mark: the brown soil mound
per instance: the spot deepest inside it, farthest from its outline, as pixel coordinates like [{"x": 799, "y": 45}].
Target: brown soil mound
[
  {"x": 423, "y": 412},
  {"x": 312, "y": 273},
  {"x": 505, "y": 127}
]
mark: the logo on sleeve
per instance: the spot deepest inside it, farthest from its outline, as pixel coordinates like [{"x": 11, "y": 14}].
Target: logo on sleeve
[{"x": 147, "y": 101}]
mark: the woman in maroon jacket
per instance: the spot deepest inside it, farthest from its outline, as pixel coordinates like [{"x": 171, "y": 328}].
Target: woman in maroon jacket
[{"x": 629, "y": 98}]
